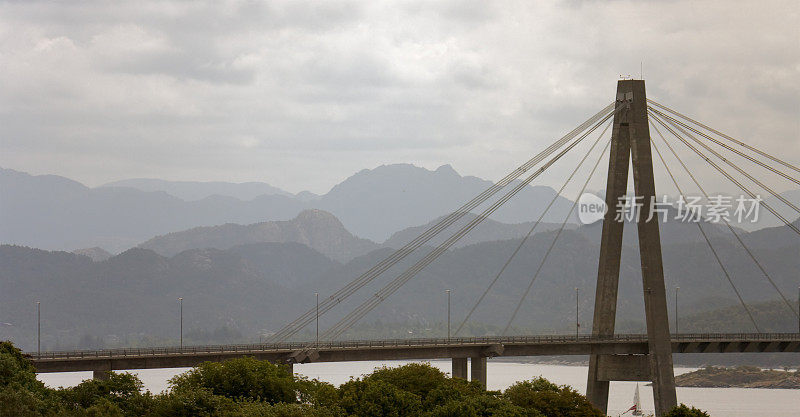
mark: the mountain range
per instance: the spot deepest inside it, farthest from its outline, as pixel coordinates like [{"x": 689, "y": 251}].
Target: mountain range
[
  {"x": 196, "y": 190},
  {"x": 253, "y": 288},
  {"x": 316, "y": 229},
  {"x": 56, "y": 213},
  {"x": 245, "y": 267}
]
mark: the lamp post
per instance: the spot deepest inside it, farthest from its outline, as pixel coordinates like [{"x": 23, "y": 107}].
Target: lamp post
[
  {"x": 316, "y": 294},
  {"x": 181, "y": 301},
  {"x": 676, "y": 309},
  {"x": 448, "y": 314},
  {"x": 577, "y": 319},
  {"x": 38, "y": 328}
]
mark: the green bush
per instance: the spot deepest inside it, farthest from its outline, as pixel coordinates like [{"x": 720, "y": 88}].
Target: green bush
[
  {"x": 684, "y": 411},
  {"x": 480, "y": 406},
  {"x": 15, "y": 368},
  {"x": 122, "y": 389},
  {"x": 416, "y": 378},
  {"x": 246, "y": 378},
  {"x": 550, "y": 399},
  {"x": 317, "y": 393},
  {"x": 431, "y": 385},
  {"x": 16, "y": 400},
  {"x": 246, "y": 387},
  {"x": 365, "y": 397},
  {"x": 190, "y": 402},
  {"x": 261, "y": 409}
]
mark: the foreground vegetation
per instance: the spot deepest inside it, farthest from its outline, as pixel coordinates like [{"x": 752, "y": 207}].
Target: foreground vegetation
[
  {"x": 739, "y": 377},
  {"x": 248, "y": 388}
]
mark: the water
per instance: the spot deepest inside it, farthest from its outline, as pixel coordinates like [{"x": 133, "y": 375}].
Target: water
[{"x": 719, "y": 402}]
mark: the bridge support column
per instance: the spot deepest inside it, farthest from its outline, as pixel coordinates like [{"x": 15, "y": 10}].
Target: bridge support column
[
  {"x": 478, "y": 365},
  {"x": 630, "y": 142},
  {"x": 290, "y": 368},
  {"x": 101, "y": 375},
  {"x": 459, "y": 369}
]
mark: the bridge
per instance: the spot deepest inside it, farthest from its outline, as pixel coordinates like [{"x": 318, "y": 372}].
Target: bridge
[
  {"x": 634, "y": 347},
  {"x": 613, "y": 357}
]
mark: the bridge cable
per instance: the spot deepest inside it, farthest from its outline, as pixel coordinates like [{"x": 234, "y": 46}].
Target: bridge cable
[
  {"x": 530, "y": 232},
  {"x": 555, "y": 239},
  {"x": 740, "y": 143},
  {"x": 727, "y": 223},
  {"x": 702, "y": 232},
  {"x": 367, "y": 306},
  {"x": 727, "y": 175},
  {"x": 731, "y": 164},
  {"x": 728, "y": 147},
  {"x": 359, "y": 282},
  {"x": 390, "y": 288}
]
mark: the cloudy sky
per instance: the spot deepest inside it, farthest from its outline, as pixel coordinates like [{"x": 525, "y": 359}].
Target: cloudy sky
[{"x": 302, "y": 94}]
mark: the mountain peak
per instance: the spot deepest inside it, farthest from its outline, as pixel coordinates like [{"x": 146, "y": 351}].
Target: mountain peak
[
  {"x": 317, "y": 229},
  {"x": 447, "y": 169},
  {"x": 97, "y": 254},
  {"x": 317, "y": 215}
]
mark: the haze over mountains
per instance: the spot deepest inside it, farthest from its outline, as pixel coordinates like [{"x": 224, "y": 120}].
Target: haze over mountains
[
  {"x": 256, "y": 287},
  {"x": 316, "y": 229},
  {"x": 243, "y": 274},
  {"x": 52, "y": 212},
  {"x": 194, "y": 190}
]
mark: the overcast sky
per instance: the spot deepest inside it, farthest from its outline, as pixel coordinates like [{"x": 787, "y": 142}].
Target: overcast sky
[{"x": 302, "y": 94}]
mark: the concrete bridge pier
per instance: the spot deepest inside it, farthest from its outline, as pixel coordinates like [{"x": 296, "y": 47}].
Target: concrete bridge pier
[
  {"x": 101, "y": 375},
  {"x": 478, "y": 365},
  {"x": 459, "y": 368}
]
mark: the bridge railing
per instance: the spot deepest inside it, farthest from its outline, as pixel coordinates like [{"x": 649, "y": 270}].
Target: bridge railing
[{"x": 394, "y": 343}]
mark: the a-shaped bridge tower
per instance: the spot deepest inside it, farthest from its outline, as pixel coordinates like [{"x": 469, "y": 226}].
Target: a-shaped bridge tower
[{"x": 630, "y": 146}]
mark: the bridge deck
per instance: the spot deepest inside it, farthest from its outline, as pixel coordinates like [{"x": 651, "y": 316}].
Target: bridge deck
[{"x": 362, "y": 350}]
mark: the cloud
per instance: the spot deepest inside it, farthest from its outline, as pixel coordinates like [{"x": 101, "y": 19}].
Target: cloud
[{"x": 302, "y": 94}]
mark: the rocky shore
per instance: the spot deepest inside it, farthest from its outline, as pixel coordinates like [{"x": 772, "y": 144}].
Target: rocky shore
[{"x": 739, "y": 377}]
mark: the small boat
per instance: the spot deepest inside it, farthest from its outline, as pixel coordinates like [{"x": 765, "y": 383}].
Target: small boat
[{"x": 636, "y": 408}]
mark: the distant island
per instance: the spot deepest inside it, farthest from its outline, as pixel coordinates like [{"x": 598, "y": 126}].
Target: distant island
[{"x": 739, "y": 377}]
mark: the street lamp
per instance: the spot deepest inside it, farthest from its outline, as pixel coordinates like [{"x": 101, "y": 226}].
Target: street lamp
[
  {"x": 181, "y": 301},
  {"x": 316, "y": 294},
  {"x": 676, "y": 309},
  {"x": 577, "y": 319},
  {"x": 39, "y": 328},
  {"x": 448, "y": 314}
]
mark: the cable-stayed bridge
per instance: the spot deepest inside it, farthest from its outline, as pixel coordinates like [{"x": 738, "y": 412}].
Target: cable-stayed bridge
[{"x": 630, "y": 119}]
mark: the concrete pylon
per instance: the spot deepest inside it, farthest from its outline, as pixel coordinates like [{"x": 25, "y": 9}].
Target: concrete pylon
[
  {"x": 101, "y": 375},
  {"x": 630, "y": 143},
  {"x": 478, "y": 368},
  {"x": 459, "y": 368}
]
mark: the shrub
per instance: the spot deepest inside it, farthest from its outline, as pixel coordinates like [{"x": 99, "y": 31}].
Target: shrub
[
  {"x": 684, "y": 411},
  {"x": 191, "y": 402},
  {"x": 367, "y": 397},
  {"x": 550, "y": 399},
  {"x": 246, "y": 378}
]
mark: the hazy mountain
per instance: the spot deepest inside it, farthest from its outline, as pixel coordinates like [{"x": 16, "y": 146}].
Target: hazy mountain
[
  {"x": 315, "y": 228},
  {"x": 195, "y": 190},
  {"x": 56, "y": 213},
  {"x": 53, "y": 212},
  {"x": 96, "y": 254},
  {"x": 257, "y": 287},
  {"x": 671, "y": 231},
  {"x": 488, "y": 230},
  {"x": 378, "y": 202},
  {"x": 135, "y": 294},
  {"x": 767, "y": 219}
]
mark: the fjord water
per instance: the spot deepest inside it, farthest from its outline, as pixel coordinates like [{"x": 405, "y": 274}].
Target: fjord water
[{"x": 719, "y": 402}]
